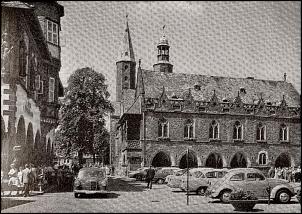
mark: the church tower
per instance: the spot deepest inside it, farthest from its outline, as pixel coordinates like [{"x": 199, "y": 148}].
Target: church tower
[
  {"x": 125, "y": 73},
  {"x": 163, "y": 64}
]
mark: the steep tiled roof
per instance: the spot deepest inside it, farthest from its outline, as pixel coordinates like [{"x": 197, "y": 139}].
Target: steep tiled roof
[{"x": 225, "y": 87}]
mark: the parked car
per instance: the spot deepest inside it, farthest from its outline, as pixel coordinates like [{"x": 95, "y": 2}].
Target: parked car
[
  {"x": 202, "y": 179},
  {"x": 176, "y": 181},
  {"x": 162, "y": 173},
  {"x": 139, "y": 174},
  {"x": 253, "y": 180},
  {"x": 177, "y": 173},
  {"x": 90, "y": 180}
]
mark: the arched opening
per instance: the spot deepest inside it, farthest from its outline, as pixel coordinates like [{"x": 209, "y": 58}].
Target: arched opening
[
  {"x": 214, "y": 161},
  {"x": 161, "y": 159},
  {"x": 48, "y": 151},
  {"x": 2, "y": 134},
  {"x": 28, "y": 149},
  {"x": 20, "y": 141},
  {"x": 283, "y": 160},
  {"x": 238, "y": 161},
  {"x": 37, "y": 149},
  {"x": 21, "y": 135},
  {"x": 192, "y": 163}
]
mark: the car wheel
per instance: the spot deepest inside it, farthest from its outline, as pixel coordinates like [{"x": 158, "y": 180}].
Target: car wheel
[
  {"x": 283, "y": 196},
  {"x": 160, "y": 181},
  {"x": 225, "y": 196},
  {"x": 201, "y": 191},
  {"x": 77, "y": 195}
]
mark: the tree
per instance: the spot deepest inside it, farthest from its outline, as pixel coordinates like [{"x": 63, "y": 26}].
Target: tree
[{"x": 83, "y": 113}]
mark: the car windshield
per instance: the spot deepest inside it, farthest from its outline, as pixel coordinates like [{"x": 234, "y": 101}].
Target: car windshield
[
  {"x": 180, "y": 172},
  {"x": 91, "y": 173},
  {"x": 198, "y": 174},
  {"x": 211, "y": 175}
]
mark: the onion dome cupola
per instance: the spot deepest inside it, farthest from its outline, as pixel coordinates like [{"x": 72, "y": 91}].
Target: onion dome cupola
[{"x": 163, "y": 64}]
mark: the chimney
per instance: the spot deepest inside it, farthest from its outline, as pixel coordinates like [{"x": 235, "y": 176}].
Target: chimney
[{"x": 284, "y": 77}]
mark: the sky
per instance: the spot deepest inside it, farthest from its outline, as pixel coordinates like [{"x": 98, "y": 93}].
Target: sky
[{"x": 232, "y": 39}]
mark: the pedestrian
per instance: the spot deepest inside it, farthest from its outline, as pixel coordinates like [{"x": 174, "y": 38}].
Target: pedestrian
[
  {"x": 13, "y": 178},
  {"x": 21, "y": 185},
  {"x": 26, "y": 180},
  {"x": 271, "y": 172},
  {"x": 33, "y": 176},
  {"x": 149, "y": 177},
  {"x": 112, "y": 170}
]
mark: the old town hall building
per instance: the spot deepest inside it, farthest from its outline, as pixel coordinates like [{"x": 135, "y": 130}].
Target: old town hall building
[
  {"x": 223, "y": 121},
  {"x": 30, "y": 83}
]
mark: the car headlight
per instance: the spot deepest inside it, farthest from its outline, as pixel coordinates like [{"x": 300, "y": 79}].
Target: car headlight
[
  {"x": 103, "y": 182},
  {"x": 77, "y": 183}
]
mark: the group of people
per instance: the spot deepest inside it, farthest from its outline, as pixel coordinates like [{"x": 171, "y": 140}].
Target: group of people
[
  {"x": 292, "y": 174},
  {"x": 109, "y": 169},
  {"x": 24, "y": 178}
]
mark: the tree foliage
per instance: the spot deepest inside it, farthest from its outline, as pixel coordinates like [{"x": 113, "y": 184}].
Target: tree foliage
[{"x": 83, "y": 112}]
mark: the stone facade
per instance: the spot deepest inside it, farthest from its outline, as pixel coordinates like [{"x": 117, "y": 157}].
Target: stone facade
[
  {"x": 30, "y": 84},
  {"x": 218, "y": 121}
]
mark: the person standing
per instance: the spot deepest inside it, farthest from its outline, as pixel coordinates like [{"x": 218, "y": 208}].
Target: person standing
[
  {"x": 21, "y": 185},
  {"x": 26, "y": 180},
  {"x": 149, "y": 177},
  {"x": 13, "y": 177},
  {"x": 271, "y": 172}
]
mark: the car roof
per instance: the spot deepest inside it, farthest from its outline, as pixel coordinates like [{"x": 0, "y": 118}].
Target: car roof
[
  {"x": 169, "y": 168},
  {"x": 91, "y": 169},
  {"x": 215, "y": 170},
  {"x": 199, "y": 169},
  {"x": 235, "y": 170}
]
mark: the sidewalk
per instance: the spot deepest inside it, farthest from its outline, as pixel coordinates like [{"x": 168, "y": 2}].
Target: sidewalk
[{"x": 32, "y": 193}]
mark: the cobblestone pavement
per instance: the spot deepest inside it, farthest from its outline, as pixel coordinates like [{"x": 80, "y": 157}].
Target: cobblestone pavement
[{"x": 132, "y": 196}]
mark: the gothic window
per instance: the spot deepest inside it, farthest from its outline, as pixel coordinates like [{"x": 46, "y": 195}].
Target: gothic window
[
  {"x": 51, "y": 92},
  {"x": 214, "y": 130},
  {"x": 163, "y": 130},
  {"x": 237, "y": 134},
  {"x": 189, "y": 129},
  {"x": 261, "y": 132},
  {"x": 262, "y": 158},
  {"x": 284, "y": 132},
  {"x": 22, "y": 59},
  {"x": 52, "y": 32}
]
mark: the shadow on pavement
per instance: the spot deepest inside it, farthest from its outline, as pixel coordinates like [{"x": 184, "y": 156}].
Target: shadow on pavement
[
  {"x": 9, "y": 202},
  {"x": 117, "y": 184},
  {"x": 259, "y": 202},
  {"x": 253, "y": 210},
  {"x": 101, "y": 196}
]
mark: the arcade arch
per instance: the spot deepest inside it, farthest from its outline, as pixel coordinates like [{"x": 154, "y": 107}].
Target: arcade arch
[
  {"x": 161, "y": 159},
  {"x": 192, "y": 162}
]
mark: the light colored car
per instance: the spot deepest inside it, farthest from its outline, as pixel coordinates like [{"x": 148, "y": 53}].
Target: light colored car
[
  {"x": 90, "y": 180},
  {"x": 170, "y": 178},
  {"x": 202, "y": 179},
  {"x": 162, "y": 173},
  {"x": 139, "y": 174},
  {"x": 176, "y": 181},
  {"x": 253, "y": 180}
]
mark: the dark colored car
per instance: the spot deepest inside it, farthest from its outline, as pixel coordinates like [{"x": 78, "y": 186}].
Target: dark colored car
[
  {"x": 90, "y": 180},
  {"x": 162, "y": 173},
  {"x": 139, "y": 174}
]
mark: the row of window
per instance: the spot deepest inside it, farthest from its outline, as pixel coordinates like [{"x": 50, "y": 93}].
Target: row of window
[
  {"x": 24, "y": 73},
  {"x": 189, "y": 131}
]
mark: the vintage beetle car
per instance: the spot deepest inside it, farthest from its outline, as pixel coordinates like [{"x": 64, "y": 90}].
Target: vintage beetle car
[
  {"x": 162, "y": 173},
  {"x": 139, "y": 174},
  {"x": 170, "y": 178},
  {"x": 176, "y": 181},
  {"x": 202, "y": 180},
  {"x": 253, "y": 180},
  {"x": 90, "y": 180}
]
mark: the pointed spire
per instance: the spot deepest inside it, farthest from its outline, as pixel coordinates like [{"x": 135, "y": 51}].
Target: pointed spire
[{"x": 127, "y": 53}]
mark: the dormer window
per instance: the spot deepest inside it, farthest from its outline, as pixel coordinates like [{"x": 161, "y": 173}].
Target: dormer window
[
  {"x": 242, "y": 90},
  {"x": 197, "y": 87},
  {"x": 52, "y": 32}
]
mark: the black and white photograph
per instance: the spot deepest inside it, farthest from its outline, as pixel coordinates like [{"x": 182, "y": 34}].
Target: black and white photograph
[{"x": 151, "y": 107}]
